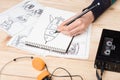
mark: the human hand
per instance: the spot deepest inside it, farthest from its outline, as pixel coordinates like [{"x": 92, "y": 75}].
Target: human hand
[{"x": 78, "y": 26}]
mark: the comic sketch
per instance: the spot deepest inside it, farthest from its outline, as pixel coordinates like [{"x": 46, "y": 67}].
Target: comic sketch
[
  {"x": 49, "y": 33},
  {"x": 7, "y": 24},
  {"x": 74, "y": 48},
  {"x": 19, "y": 39},
  {"x": 24, "y": 12},
  {"x": 22, "y": 18},
  {"x": 28, "y": 5},
  {"x": 31, "y": 8}
]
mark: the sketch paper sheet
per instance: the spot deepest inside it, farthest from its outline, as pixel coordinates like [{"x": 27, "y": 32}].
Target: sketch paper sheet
[{"x": 17, "y": 18}]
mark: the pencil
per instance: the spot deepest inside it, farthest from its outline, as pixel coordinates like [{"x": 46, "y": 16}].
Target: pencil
[{"x": 83, "y": 13}]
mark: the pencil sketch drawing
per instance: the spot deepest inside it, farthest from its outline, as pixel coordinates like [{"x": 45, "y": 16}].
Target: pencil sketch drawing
[
  {"x": 28, "y": 9},
  {"x": 49, "y": 33},
  {"x": 19, "y": 39},
  {"x": 74, "y": 48},
  {"x": 7, "y": 24},
  {"x": 31, "y": 8}
]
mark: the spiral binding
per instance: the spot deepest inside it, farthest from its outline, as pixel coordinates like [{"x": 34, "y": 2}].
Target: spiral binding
[{"x": 44, "y": 47}]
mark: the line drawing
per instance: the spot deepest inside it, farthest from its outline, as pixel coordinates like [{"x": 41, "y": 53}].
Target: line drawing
[
  {"x": 74, "y": 48},
  {"x": 7, "y": 24},
  {"x": 29, "y": 10},
  {"x": 28, "y": 5},
  {"x": 49, "y": 33},
  {"x": 19, "y": 39}
]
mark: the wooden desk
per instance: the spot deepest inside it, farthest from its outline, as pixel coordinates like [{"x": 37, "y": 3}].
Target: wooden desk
[{"x": 23, "y": 69}]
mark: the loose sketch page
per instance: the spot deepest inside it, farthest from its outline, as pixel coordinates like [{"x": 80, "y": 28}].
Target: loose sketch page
[
  {"x": 17, "y": 17},
  {"x": 43, "y": 35}
]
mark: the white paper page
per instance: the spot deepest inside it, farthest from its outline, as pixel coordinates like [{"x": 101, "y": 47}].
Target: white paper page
[
  {"x": 18, "y": 41},
  {"x": 14, "y": 19},
  {"x": 43, "y": 35},
  {"x": 78, "y": 50}
]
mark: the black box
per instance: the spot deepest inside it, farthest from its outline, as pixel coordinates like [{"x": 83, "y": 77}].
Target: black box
[{"x": 108, "y": 54}]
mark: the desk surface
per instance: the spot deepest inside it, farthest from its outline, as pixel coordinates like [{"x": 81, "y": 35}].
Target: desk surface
[{"x": 85, "y": 68}]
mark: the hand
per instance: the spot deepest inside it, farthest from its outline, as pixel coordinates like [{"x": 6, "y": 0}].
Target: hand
[{"x": 78, "y": 26}]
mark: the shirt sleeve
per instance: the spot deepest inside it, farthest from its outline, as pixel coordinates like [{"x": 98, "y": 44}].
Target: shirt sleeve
[{"x": 104, "y": 4}]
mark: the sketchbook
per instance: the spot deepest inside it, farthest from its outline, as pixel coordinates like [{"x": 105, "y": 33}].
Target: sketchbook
[
  {"x": 43, "y": 34},
  {"x": 18, "y": 21},
  {"x": 79, "y": 48}
]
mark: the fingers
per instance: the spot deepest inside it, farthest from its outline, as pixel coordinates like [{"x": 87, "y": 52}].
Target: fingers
[
  {"x": 76, "y": 31},
  {"x": 78, "y": 26},
  {"x": 63, "y": 26},
  {"x": 73, "y": 25},
  {"x": 75, "y": 28}
]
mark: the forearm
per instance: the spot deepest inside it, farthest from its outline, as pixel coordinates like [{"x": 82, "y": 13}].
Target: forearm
[{"x": 104, "y": 4}]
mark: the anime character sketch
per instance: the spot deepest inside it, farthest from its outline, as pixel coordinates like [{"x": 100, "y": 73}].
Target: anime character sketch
[
  {"x": 28, "y": 6},
  {"x": 31, "y": 8},
  {"x": 28, "y": 9},
  {"x": 19, "y": 39},
  {"x": 49, "y": 33},
  {"x": 74, "y": 48},
  {"x": 7, "y": 24}
]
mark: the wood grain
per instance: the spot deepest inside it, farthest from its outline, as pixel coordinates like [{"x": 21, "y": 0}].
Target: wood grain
[{"x": 23, "y": 70}]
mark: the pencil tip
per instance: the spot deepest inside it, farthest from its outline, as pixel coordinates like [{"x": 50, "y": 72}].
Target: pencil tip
[{"x": 57, "y": 31}]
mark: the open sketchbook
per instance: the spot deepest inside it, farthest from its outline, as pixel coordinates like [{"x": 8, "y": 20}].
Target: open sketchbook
[
  {"x": 79, "y": 48},
  {"x": 18, "y": 21},
  {"x": 43, "y": 34}
]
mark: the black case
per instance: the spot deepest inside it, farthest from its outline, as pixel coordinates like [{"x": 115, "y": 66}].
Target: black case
[{"x": 108, "y": 54}]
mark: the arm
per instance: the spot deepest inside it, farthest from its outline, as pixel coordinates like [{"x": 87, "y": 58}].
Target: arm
[
  {"x": 81, "y": 24},
  {"x": 104, "y": 4}
]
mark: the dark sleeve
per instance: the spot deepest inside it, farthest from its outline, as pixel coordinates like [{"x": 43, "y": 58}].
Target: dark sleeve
[{"x": 104, "y": 4}]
